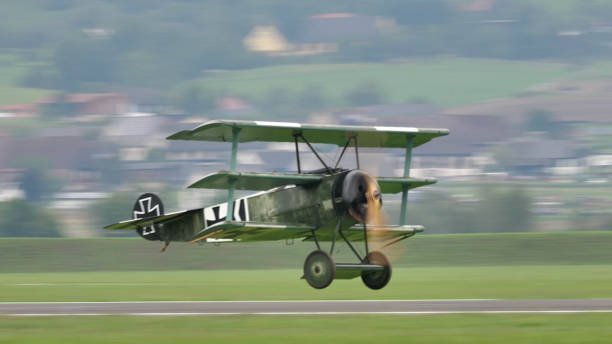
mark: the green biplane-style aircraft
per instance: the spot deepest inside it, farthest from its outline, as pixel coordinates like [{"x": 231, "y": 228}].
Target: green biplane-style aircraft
[{"x": 321, "y": 205}]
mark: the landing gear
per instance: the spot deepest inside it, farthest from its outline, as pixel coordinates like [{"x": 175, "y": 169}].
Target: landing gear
[
  {"x": 319, "y": 269},
  {"x": 377, "y": 279}
]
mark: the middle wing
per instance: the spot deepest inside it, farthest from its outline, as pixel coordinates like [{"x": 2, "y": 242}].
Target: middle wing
[
  {"x": 253, "y": 180},
  {"x": 260, "y": 181}
]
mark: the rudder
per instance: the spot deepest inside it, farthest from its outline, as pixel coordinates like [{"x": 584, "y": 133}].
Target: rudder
[{"x": 148, "y": 205}]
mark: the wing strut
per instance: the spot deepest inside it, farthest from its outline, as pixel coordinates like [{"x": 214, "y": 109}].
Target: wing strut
[
  {"x": 348, "y": 142},
  {"x": 297, "y": 152},
  {"x": 232, "y": 181},
  {"x": 407, "y": 159}
]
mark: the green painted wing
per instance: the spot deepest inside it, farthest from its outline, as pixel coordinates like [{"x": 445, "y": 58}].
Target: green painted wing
[
  {"x": 355, "y": 233},
  {"x": 253, "y": 231},
  {"x": 253, "y": 180},
  {"x": 264, "y": 181},
  {"x": 394, "y": 184},
  {"x": 367, "y": 136}
]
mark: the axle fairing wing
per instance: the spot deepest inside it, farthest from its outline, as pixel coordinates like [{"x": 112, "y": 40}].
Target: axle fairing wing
[
  {"x": 367, "y": 136},
  {"x": 383, "y": 233}
]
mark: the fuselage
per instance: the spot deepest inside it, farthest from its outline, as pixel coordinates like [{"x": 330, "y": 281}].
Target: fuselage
[
  {"x": 318, "y": 204},
  {"x": 310, "y": 204}
]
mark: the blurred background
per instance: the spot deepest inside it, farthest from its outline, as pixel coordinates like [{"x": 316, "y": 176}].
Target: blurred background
[{"x": 89, "y": 90}]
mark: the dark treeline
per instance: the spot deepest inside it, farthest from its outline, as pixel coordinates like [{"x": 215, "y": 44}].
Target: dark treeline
[{"x": 158, "y": 43}]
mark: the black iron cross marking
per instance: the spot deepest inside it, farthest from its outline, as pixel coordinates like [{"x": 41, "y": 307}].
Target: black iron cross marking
[
  {"x": 239, "y": 213},
  {"x": 143, "y": 212}
]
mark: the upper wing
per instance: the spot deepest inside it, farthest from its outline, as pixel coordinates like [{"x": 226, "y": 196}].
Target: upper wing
[
  {"x": 393, "y": 137},
  {"x": 253, "y": 180}
]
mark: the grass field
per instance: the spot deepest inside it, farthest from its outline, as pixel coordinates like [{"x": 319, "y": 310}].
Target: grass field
[
  {"x": 471, "y": 328},
  {"x": 521, "y": 265},
  {"x": 442, "y": 81},
  {"x": 135, "y": 254},
  {"x": 548, "y": 281}
]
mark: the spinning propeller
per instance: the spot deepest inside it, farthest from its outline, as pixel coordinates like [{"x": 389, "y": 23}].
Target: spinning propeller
[{"x": 361, "y": 196}]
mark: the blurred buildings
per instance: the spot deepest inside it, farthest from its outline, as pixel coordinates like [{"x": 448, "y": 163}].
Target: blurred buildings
[{"x": 111, "y": 94}]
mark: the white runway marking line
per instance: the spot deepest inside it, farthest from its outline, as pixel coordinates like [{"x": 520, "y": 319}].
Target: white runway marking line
[
  {"x": 308, "y": 313},
  {"x": 87, "y": 284},
  {"x": 242, "y": 301},
  {"x": 488, "y": 304}
]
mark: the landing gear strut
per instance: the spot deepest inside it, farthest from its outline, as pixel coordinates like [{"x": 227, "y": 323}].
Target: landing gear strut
[{"x": 320, "y": 269}]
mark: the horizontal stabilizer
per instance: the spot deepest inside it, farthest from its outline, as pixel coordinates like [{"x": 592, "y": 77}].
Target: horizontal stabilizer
[
  {"x": 253, "y": 231},
  {"x": 253, "y": 180},
  {"x": 133, "y": 224},
  {"x": 394, "y": 184},
  {"x": 367, "y": 136}
]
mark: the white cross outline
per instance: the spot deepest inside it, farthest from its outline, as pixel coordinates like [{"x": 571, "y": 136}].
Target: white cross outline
[{"x": 149, "y": 229}]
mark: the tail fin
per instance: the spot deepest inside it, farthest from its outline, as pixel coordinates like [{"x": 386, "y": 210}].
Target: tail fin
[{"x": 148, "y": 205}]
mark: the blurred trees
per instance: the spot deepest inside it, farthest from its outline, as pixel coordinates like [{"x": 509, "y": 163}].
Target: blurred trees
[
  {"x": 34, "y": 184},
  {"x": 159, "y": 43},
  {"x": 28, "y": 217},
  {"x": 493, "y": 209},
  {"x": 84, "y": 61},
  {"x": 19, "y": 218},
  {"x": 35, "y": 180},
  {"x": 117, "y": 207},
  {"x": 543, "y": 121}
]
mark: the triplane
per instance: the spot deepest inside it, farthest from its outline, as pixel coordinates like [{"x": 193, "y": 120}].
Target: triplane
[{"x": 322, "y": 205}]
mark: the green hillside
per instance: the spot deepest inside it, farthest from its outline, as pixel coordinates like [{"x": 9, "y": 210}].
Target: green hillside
[{"x": 441, "y": 81}]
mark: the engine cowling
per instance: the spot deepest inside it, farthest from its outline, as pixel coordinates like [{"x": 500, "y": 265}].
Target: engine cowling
[{"x": 354, "y": 192}]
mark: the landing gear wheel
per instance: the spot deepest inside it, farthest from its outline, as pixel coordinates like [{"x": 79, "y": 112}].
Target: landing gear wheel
[
  {"x": 377, "y": 279},
  {"x": 319, "y": 269}
]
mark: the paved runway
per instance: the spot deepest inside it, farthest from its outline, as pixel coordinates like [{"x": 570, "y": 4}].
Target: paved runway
[{"x": 309, "y": 307}]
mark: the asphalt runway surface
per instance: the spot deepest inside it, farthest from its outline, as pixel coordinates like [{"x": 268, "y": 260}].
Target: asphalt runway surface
[{"x": 308, "y": 307}]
